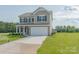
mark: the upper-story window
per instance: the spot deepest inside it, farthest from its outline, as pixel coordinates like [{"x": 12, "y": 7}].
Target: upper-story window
[
  {"x": 25, "y": 20},
  {"x": 41, "y": 18},
  {"x": 29, "y": 20},
  {"x": 21, "y": 20}
]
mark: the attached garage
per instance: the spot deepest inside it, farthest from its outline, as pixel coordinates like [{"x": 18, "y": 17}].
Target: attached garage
[{"x": 39, "y": 31}]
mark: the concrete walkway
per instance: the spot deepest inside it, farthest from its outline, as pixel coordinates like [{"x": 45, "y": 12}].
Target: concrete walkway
[{"x": 27, "y": 45}]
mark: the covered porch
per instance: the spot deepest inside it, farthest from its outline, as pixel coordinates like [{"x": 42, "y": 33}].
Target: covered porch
[{"x": 24, "y": 30}]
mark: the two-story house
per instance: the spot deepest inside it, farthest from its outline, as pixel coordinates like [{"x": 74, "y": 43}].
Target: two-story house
[{"x": 35, "y": 23}]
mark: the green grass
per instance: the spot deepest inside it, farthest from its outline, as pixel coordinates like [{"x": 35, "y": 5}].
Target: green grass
[
  {"x": 5, "y": 37},
  {"x": 60, "y": 43}
]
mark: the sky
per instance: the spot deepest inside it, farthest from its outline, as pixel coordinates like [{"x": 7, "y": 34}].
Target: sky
[{"x": 62, "y": 14}]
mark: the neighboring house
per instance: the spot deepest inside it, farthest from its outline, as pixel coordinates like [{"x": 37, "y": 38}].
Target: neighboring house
[{"x": 35, "y": 23}]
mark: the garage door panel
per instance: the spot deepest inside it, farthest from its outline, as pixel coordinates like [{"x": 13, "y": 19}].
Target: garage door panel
[{"x": 39, "y": 30}]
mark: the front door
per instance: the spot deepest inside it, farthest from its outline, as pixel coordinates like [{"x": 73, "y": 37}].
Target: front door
[{"x": 26, "y": 30}]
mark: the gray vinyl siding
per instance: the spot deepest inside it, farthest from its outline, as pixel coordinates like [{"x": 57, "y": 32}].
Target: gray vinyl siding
[{"x": 42, "y": 13}]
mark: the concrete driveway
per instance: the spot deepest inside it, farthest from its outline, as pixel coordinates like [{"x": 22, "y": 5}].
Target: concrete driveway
[{"x": 27, "y": 45}]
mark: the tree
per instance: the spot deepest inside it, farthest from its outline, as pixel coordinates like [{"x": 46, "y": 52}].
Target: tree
[
  {"x": 58, "y": 29},
  {"x": 66, "y": 29},
  {"x": 7, "y": 27}
]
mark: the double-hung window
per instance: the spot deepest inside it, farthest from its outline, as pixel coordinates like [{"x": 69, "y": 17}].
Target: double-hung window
[
  {"x": 29, "y": 20},
  {"x": 25, "y": 20},
  {"x": 41, "y": 18},
  {"x": 21, "y": 20}
]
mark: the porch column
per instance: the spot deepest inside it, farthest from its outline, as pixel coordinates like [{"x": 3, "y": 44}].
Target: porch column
[
  {"x": 16, "y": 29},
  {"x": 19, "y": 29},
  {"x": 24, "y": 30}
]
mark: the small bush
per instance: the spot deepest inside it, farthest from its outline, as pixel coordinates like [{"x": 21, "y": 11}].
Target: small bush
[
  {"x": 13, "y": 33},
  {"x": 54, "y": 31}
]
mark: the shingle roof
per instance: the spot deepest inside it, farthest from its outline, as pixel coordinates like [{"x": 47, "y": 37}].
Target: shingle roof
[
  {"x": 26, "y": 14},
  {"x": 31, "y": 13}
]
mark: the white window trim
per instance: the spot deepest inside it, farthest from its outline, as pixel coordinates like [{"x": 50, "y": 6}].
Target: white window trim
[{"x": 41, "y": 21}]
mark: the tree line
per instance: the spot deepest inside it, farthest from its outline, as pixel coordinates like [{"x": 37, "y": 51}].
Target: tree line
[
  {"x": 7, "y": 27},
  {"x": 11, "y": 27},
  {"x": 66, "y": 29}
]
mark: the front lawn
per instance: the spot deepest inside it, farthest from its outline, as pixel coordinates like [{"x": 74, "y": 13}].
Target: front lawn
[
  {"x": 60, "y": 43},
  {"x": 5, "y": 37}
]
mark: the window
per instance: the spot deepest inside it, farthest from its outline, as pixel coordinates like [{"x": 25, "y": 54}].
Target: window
[
  {"x": 29, "y": 20},
  {"x": 45, "y": 18},
  {"x": 41, "y": 18},
  {"x": 25, "y": 19},
  {"x": 38, "y": 18},
  {"x": 22, "y": 20}
]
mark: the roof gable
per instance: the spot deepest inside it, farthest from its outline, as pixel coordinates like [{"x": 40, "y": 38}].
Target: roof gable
[
  {"x": 39, "y": 9},
  {"x": 32, "y": 13}
]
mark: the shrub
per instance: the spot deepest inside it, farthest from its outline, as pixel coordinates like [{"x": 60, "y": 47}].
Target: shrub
[
  {"x": 54, "y": 31},
  {"x": 13, "y": 33}
]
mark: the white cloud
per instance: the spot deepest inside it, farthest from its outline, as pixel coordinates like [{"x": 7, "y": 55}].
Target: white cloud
[
  {"x": 76, "y": 7},
  {"x": 70, "y": 16},
  {"x": 69, "y": 12}
]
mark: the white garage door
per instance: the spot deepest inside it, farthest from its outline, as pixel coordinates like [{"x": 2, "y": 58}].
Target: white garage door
[{"x": 39, "y": 30}]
